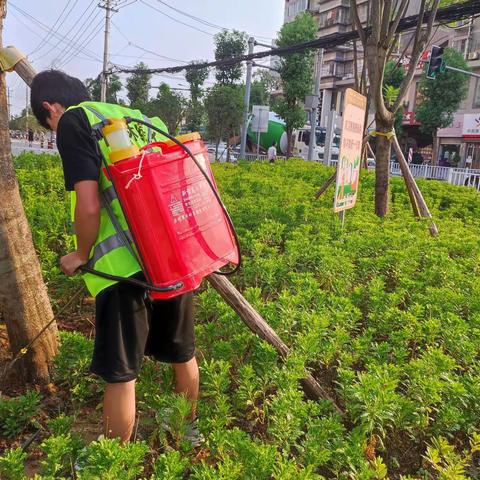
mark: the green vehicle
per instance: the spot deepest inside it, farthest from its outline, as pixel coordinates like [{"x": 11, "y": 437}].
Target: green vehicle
[{"x": 276, "y": 134}]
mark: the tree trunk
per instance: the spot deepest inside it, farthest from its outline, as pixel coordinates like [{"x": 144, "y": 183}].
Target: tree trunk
[
  {"x": 289, "y": 142},
  {"x": 216, "y": 149},
  {"x": 24, "y": 302},
  {"x": 227, "y": 143},
  {"x": 382, "y": 167},
  {"x": 435, "y": 148}
]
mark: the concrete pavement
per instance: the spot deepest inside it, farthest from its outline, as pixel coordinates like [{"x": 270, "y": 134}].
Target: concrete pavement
[{"x": 20, "y": 146}]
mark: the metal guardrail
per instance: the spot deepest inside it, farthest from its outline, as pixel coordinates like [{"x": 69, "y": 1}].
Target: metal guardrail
[
  {"x": 253, "y": 156},
  {"x": 433, "y": 172},
  {"x": 455, "y": 176},
  {"x": 464, "y": 177}
]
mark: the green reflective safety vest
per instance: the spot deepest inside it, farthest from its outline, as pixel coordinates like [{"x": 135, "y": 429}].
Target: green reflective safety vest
[{"x": 110, "y": 254}]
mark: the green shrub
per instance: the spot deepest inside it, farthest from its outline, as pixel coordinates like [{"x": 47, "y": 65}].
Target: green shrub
[
  {"x": 12, "y": 464},
  {"x": 109, "y": 460},
  {"x": 18, "y": 413},
  {"x": 71, "y": 366}
]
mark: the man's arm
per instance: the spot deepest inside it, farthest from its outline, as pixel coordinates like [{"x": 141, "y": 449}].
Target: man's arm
[{"x": 87, "y": 222}]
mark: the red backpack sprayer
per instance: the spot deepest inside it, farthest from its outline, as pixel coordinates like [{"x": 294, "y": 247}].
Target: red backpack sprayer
[{"x": 180, "y": 228}]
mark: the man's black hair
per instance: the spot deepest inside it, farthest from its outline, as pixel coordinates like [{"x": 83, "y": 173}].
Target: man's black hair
[{"x": 54, "y": 86}]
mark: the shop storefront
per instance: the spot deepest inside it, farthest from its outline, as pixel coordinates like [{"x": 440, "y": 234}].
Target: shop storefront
[
  {"x": 451, "y": 150},
  {"x": 471, "y": 138}
]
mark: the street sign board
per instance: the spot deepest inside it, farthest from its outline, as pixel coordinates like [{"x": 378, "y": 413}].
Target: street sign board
[
  {"x": 348, "y": 169},
  {"x": 260, "y": 118},
  {"x": 311, "y": 102}
]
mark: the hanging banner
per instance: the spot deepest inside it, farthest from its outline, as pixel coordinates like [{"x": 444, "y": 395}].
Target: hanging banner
[{"x": 348, "y": 170}]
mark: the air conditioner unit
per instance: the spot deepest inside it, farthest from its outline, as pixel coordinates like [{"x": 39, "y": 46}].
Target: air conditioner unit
[{"x": 473, "y": 56}]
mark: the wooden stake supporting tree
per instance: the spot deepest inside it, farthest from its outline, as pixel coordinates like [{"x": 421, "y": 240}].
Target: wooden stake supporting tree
[
  {"x": 224, "y": 287},
  {"x": 24, "y": 303},
  {"x": 419, "y": 205}
]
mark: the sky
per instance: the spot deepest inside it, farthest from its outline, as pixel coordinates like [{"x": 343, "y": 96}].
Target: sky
[{"x": 69, "y": 34}]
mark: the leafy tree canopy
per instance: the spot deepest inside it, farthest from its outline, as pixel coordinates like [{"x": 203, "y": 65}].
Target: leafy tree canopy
[
  {"x": 229, "y": 44},
  {"x": 441, "y": 97},
  {"x": 295, "y": 71},
  {"x": 114, "y": 87},
  {"x": 138, "y": 86}
]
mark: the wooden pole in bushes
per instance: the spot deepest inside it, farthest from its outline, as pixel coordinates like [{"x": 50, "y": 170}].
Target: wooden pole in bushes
[
  {"x": 418, "y": 202},
  {"x": 24, "y": 302},
  {"x": 325, "y": 186},
  {"x": 257, "y": 324},
  {"x": 224, "y": 287}
]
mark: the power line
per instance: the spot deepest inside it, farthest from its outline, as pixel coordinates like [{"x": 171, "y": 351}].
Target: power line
[
  {"x": 145, "y": 49},
  {"x": 44, "y": 39},
  {"x": 81, "y": 36},
  {"x": 96, "y": 30},
  {"x": 450, "y": 13},
  {"x": 60, "y": 37},
  {"x": 202, "y": 21},
  {"x": 76, "y": 30},
  {"x": 176, "y": 19},
  {"x": 193, "y": 17},
  {"x": 40, "y": 36}
]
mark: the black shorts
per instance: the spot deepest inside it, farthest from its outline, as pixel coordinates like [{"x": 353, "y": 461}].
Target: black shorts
[{"x": 128, "y": 325}]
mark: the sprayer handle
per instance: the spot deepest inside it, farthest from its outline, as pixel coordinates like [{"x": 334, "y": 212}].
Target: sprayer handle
[{"x": 159, "y": 145}]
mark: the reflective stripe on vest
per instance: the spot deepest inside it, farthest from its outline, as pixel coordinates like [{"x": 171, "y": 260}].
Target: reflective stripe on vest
[
  {"x": 107, "y": 245},
  {"x": 109, "y": 194}
]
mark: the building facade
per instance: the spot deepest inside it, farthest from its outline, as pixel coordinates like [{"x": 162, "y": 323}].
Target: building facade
[{"x": 456, "y": 144}]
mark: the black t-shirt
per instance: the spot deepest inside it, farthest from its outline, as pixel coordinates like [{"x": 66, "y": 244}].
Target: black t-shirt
[{"x": 77, "y": 148}]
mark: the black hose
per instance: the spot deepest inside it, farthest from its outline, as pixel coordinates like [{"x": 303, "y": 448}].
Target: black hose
[
  {"x": 132, "y": 281},
  {"x": 180, "y": 144}
]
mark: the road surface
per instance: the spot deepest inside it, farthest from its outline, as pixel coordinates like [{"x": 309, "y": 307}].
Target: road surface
[{"x": 19, "y": 146}]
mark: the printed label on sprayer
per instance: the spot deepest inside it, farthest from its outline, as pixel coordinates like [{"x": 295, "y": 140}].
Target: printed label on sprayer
[{"x": 191, "y": 211}]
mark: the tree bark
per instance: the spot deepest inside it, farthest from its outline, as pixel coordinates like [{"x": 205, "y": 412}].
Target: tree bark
[
  {"x": 382, "y": 167},
  {"x": 24, "y": 302},
  {"x": 325, "y": 186},
  {"x": 289, "y": 142}
]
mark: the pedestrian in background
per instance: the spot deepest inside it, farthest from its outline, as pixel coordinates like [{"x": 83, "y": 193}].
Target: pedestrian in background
[
  {"x": 30, "y": 137},
  {"x": 272, "y": 153}
]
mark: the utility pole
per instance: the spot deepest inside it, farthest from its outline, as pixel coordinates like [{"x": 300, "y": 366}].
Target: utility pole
[
  {"x": 314, "y": 113},
  {"x": 246, "y": 100},
  {"x": 107, "y": 5}
]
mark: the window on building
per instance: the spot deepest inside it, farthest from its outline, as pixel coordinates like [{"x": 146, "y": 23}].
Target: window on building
[
  {"x": 296, "y": 6},
  {"x": 348, "y": 68},
  {"x": 334, "y": 17},
  {"x": 476, "y": 97},
  {"x": 333, "y": 104}
]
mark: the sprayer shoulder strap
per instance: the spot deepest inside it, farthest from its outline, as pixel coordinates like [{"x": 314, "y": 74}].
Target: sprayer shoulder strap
[
  {"x": 107, "y": 197},
  {"x": 104, "y": 121}
]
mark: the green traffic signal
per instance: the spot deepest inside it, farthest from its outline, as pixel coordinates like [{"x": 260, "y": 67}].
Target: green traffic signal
[{"x": 436, "y": 63}]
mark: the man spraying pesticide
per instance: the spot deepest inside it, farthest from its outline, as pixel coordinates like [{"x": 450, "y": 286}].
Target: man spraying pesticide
[{"x": 149, "y": 225}]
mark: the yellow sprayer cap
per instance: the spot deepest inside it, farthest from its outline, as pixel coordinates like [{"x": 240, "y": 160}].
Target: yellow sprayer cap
[{"x": 114, "y": 125}]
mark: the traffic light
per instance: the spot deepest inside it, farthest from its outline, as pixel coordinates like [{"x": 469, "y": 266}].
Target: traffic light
[{"x": 436, "y": 63}]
